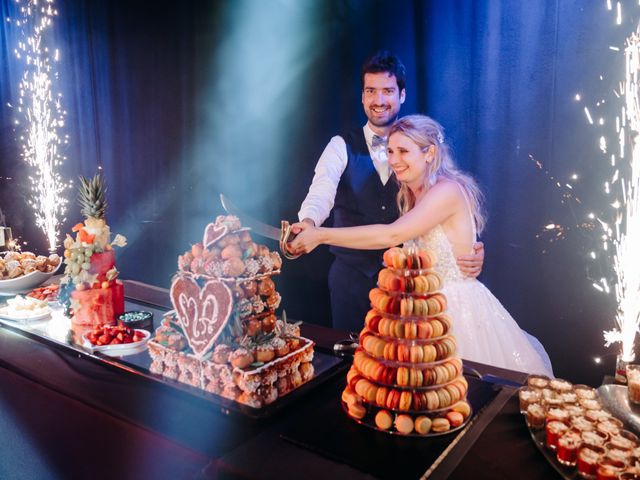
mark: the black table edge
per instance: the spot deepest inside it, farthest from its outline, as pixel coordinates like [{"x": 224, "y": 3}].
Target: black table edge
[{"x": 450, "y": 458}]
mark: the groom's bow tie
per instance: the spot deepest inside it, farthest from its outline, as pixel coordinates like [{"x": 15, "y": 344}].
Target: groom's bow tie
[{"x": 377, "y": 141}]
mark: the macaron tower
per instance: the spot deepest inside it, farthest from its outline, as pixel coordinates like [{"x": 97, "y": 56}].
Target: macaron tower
[{"x": 406, "y": 378}]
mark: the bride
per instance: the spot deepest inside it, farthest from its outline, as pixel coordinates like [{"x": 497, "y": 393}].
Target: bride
[{"x": 441, "y": 211}]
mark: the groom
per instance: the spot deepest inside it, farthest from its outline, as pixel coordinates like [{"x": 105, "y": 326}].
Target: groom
[{"x": 353, "y": 180}]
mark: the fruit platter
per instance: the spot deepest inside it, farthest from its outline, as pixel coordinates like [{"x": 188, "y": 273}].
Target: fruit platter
[{"x": 116, "y": 340}]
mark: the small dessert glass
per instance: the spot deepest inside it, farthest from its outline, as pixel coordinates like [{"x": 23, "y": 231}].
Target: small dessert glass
[
  {"x": 617, "y": 454},
  {"x": 597, "y": 415},
  {"x": 560, "y": 385},
  {"x": 554, "y": 430},
  {"x": 593, "y": 438},
  {"x": 569, "y": 398},
  {"x": 552, "y": 401},
  {"x": 611, "y": 426},
  {"x": 559, "y": 414},
  {"x": 548, "y": 393},
  {"x": 588, "y": 458},
  {"x": 574, "y": 410},
  {"x": 585, "y": 391},
  {"x": 567, "y": 449},
  {"x": 625, "y": 440},
  {"x": 633, "y": 383},
  {"x": 537, "y": 381},
  {"x": 609, "y": 469},
  {"x": 590, "y": 404},
  {"x": 528, "y": 396},
  {"x": 535, "y": 416},
  {"x": 582, "y": 424}
]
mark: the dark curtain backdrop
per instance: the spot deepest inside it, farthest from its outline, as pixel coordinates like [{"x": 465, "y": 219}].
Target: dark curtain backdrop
[{"x": 178, "y": 101}]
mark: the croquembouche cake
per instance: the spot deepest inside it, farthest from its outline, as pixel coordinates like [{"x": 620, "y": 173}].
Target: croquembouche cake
[
  {"x": 90, "y": 287},
  {"x": 406, "y": 378},
  {"x": 223, "y": 335}
]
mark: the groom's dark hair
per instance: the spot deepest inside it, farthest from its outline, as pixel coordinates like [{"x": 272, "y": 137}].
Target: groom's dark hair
[{"x": 384, "y": 61}]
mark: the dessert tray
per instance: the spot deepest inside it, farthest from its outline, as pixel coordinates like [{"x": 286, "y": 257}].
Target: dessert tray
[
  {"x": 583, "y": 436},
  {"x": 28, "y": 281},
  {"x": 25, "y": 283},
  {"x": 615, "y": 399}
]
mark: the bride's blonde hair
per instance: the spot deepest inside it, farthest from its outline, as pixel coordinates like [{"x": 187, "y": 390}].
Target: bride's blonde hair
[{"x": 424, "y": 132}]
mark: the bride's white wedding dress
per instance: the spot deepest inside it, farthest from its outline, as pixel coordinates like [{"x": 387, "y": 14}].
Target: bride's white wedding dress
[{"x": 484, "y": 330}]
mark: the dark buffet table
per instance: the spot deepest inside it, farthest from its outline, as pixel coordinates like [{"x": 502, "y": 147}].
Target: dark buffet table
[{"x": 68, "y": 414}]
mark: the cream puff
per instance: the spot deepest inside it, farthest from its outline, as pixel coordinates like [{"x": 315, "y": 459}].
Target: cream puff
[
  {"x": 241, "y": 358},
  {"x": 265, "y": 353}
]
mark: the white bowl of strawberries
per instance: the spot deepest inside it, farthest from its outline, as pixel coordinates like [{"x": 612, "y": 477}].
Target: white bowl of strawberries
[{"x": 116, "y": 340}]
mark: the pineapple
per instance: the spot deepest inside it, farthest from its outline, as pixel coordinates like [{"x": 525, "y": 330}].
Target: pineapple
[{"x": 91, "y": 196}]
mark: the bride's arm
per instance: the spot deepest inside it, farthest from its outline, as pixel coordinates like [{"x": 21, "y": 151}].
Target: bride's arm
[{"x": 441, "y": 201}]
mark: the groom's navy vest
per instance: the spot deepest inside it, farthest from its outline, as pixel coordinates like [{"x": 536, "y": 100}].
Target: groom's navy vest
[{"x": 362, "y": 199}]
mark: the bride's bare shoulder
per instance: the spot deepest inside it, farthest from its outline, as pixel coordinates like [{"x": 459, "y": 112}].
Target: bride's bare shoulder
[{"x": 448, "y": 188}]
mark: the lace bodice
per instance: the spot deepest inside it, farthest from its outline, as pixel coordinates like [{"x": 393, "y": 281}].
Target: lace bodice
[{"x": 436, "y": 240}]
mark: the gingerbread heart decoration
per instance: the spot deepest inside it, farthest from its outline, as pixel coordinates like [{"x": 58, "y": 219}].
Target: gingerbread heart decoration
[
  {"x": 213, "y": 233},
  {"x": 202, "y": 312}
]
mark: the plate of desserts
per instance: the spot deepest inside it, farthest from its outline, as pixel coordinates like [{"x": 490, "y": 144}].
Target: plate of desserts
[
  {"x": 23, "y": 271},
  {"x": 574, "y": 428},
  {"x": 116, "y": 340},
  {"x": 21, "y": 309}
]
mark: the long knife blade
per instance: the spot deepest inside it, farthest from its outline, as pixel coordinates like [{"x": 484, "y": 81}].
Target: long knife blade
[{"x": 248, "y": 221}]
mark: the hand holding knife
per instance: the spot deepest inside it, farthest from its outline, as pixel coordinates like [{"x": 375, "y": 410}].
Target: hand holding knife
[{"x": 283, "y": 235}]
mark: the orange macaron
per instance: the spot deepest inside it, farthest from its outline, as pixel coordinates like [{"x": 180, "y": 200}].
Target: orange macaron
[
  {"x": 422, "y": 425},
  {"x": 384, "y": 420},
  {"x": 439, "y": 425},
  {"x": 404, "y": 424}
]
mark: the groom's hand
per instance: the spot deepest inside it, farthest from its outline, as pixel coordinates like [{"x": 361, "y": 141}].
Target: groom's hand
[
  {"x": 296, "y": 228},
  {"x": 471, "y": 265}
]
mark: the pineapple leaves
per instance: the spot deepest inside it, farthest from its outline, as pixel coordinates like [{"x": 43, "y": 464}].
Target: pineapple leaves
[{"x": 91, "y": 196}]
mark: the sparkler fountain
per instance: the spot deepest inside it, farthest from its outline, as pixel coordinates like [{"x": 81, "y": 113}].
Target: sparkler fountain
[
  {"x": 41, "y": 116},
  {"x": 617, "y": 226},
  {"x": 626, "y": 237}
]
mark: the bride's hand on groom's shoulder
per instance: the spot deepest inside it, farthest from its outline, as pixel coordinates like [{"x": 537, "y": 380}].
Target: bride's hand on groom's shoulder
[{"x": 471, "y": 265}]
